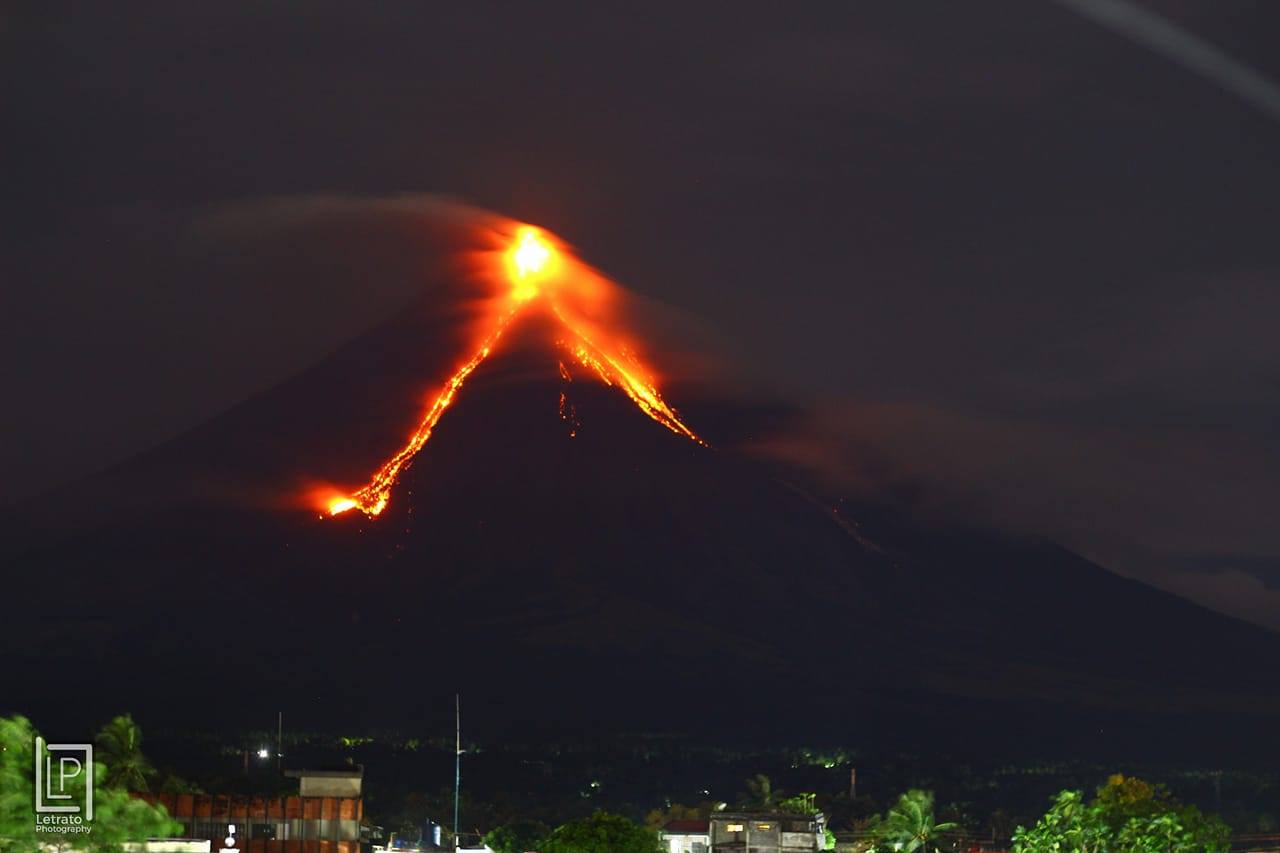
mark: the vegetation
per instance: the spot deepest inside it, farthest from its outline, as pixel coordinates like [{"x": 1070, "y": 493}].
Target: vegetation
[
  {"x": 800, "y": 804},
  {"x": 118, "y": 817},
  {"x": 658, "y": 818},
  {"x": 760, "y": 794},
  {"x": 1126, "y": 816},
  {"x": 602, "y": 833},
  {"x": 518, "y": 837},
  {"x": 518, "y": 789},
  {"x": 118, "y": 746},
  {"x": 910, "y": 825}
]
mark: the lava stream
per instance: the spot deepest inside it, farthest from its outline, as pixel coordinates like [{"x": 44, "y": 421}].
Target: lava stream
[
  {"x": 372, "y": 498},
  {"x": 535, "y": 268},
  {"x": 613, "y": 372}
]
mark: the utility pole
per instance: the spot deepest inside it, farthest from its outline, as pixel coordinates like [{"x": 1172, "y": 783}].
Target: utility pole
[
  {"x": 280, "y": 741},
  {"x": 457, "y": 762},
  {"x": 853, "y": 783}
]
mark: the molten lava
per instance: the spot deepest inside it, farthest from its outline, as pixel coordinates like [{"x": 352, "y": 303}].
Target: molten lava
[
  {"x": 529, "y": 261},
  {"x": 534, "y": 270}
]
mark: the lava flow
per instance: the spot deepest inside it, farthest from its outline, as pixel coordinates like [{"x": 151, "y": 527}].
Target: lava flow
[{"x": 535, "y": 270}]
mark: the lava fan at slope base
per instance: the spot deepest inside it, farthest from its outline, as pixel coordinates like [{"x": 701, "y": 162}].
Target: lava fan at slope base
[{"x": 529, "y": 270}]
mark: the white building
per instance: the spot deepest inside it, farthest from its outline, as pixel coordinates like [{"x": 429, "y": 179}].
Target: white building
[{"x": 687, "y": 836}]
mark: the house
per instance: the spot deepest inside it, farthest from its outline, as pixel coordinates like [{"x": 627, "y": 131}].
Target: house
[
  {"x": 767, "y": 832},
  {"x": 323, "y": 818},
  {"x": 687, "y": 836}
]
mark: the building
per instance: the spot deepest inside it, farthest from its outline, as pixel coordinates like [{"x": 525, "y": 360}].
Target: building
[
  {"x": 324, "y": 818},
  {"x": 760, "y": 832},
  {"x": 166, "y": 845},
  {"x": 346, "y": 782},
  {"x": 687, "y": 836}
]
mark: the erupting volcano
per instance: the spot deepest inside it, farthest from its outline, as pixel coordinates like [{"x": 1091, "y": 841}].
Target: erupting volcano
[
  {"x": 579, "y": 566},
  {"x": 530, "y": 271}
]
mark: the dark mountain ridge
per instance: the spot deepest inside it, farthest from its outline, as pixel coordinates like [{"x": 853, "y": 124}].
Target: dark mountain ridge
[{"x": 583, "y": 566}]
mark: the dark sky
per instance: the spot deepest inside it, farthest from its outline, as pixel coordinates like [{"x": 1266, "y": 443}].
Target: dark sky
[{"x": 993, "y": 245}]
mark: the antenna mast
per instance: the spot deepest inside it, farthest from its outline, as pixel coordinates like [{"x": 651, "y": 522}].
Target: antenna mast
[{"x": 457, "y": 763}]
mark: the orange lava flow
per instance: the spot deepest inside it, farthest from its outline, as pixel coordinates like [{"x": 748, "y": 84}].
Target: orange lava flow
[
  {"x": 372, "y": 498},
  {"x": 628, "y": 378},
  {"x": 536, "y": 268}
]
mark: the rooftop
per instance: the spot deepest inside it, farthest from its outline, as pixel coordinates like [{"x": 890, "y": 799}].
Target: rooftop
[
  {"x": 767, "y": 815},
  {"x": 356, "y": 772}
]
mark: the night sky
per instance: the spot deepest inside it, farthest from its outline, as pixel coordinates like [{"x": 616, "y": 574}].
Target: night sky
[{"x": 997, "y": 251}]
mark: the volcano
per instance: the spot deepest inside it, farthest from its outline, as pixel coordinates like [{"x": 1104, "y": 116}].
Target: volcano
[{"x": 564, "y": 558}]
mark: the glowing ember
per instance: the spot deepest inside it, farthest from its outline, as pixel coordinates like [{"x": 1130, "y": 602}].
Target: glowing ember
[{"x": 579, "y": 298}]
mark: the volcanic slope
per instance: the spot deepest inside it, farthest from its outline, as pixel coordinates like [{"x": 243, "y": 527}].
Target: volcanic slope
[{"x": 564, "y": 559}]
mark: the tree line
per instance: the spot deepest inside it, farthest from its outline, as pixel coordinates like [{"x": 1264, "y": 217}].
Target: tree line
[{"x": 1123, "y": 815}]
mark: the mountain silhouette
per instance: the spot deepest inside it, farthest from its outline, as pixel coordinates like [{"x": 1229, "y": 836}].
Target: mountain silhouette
[{"x": 568, "y": 562}]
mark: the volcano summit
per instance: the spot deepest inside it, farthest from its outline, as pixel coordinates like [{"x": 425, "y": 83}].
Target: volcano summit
[
  {"x": 567, "y": 551},
  {"x": 543, "y": 278}
]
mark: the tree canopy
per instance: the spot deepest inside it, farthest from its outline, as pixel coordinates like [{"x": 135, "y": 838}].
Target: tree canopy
[
  {"x": 910, "y": 826},
  {"x": 119, "y": 747},
  {"x": 517, "y": 837},
  {"x": 806, "y": 803},
  {"x": 760, "y": 793},
  {"x": 118, "y": 817},
  {"x": 602, "y": 833},
  {"x": 1127, "y": 815}
]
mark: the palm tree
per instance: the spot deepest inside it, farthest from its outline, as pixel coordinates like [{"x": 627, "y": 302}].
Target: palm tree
[
  {"x": 760, "y": 793},
  {"x": 909, "y": 825},
  {"x": 119, "y": 748}
]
